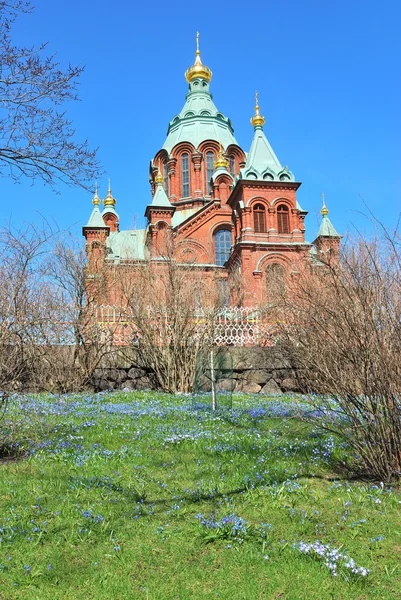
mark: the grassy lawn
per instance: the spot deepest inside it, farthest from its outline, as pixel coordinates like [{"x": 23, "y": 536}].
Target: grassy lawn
[{"x": 138, "y": 495}]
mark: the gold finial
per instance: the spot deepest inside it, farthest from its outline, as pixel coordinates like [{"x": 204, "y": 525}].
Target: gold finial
[
  {"x": 198, "y": 69},
  {"x": 324, "y": 210},
  {"x": 96, "y": 199},
  {"x": 159, "y": 178},
  {"x": 257, "y": 119},
  {"x": 221, "y": 161},
  {"x": 109, "y": 200}
]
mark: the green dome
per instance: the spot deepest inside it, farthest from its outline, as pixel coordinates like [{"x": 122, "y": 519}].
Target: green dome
[{"x": 199, "y": 120}]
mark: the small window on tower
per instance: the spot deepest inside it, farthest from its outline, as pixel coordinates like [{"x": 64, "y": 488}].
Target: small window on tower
[
  {"x": 209, "y": 169},
  {"x": 283, "y": 219},
  {"x": 232, "y": 165},
  {"x": 185, "y": 175},
  {"x": 259, "y": 218}
]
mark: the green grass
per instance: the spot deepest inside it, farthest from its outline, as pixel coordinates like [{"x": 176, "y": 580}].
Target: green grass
[{"x": 115, "y": 497}]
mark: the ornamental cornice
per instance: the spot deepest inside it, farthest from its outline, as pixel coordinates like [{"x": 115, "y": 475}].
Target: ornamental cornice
[
  {"x": 89, "y": 229},
  {"x": 271, "y": 185},
  {"x": 279, "y": 246},
  {"x": 261, "y": 185},
  {"x": 200, "y": 217}
]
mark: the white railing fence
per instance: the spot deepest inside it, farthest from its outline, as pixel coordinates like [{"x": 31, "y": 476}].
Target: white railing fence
[{"x": 240, "y": 326}]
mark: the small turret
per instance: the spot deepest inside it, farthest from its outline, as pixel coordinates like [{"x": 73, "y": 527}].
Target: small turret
[
  {"x": 262, "y": 163},
  {"x": 96, "y": 233},
  {"x": 327, "y": 240},
  {"x": 109, "y": 213},
  {"x": 159, "y": 214}
]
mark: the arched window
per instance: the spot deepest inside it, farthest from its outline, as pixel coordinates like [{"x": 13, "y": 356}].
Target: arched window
[
  {"x": 185, "y": 175},
  {"x": 283, "y": 219},
  {"x": 275, "y": 281},
  {"x": 209, "y": 169},
  {"x": 222, "y": 246},
  {"x": 165, "y": 174},
  {"x": 232, "y": 165},
  {"x": 259, "y": 218}
]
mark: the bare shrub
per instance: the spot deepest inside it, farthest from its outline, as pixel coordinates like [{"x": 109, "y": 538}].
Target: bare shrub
[
  {"x": 49, "y": 340},
  {"x": 174, "y": 313},
  {"x": 342, "y": 326}
]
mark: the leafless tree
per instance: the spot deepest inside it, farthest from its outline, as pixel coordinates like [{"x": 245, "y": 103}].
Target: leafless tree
[
  {"x": 22, "y": 297},
  {"x": 37, "y": 140},
  {"x": 342, "y": 325},
  {"x": 174, "y": 314},
  {"x": 74, "y": 342},
  {"x": 49, "y": 340}
]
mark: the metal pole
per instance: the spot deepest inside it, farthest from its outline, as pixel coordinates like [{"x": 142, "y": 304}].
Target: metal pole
[{"x": 213, "y": 380}]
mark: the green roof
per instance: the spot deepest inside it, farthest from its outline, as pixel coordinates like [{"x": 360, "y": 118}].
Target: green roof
[
  {"x": 326, "y": 229},
  {"x": 95, "y": 220},
  {"x": 128, "y": 244},
  {"x": 262, "y": 162},
  {"x": 110, "y": 209},
  {"x": 199, "y": 120},
  {"x": 182, "y": 215},
  {"x": 160, "y": 197}
]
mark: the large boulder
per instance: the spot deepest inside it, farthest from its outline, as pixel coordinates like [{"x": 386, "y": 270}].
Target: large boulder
[
  {"x": 104, "y": 384},
  {"x": 225, "y": 385},
  {"x": 248, "y": 387},
  {"x": 136, "y": 373},
  {"x": 260, "y": 376},
  {"x": 115, "y": 375},
  {"x": 289, "y": 384},
  {"x": 271, "y": 387}
]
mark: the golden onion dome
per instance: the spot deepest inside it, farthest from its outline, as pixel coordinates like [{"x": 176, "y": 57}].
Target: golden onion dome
[
  {"x": 109, "y": 200},
  {"x": 257, "y": 119},
  {"x": 221, "y": 161},
  {"x": 198, "y": 69},
  {"x": 96, "y": 199},
  {"x": 325, "y": 210}
]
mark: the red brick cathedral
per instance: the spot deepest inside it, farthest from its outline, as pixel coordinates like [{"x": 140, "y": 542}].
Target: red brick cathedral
[{"x": 230, "y": 213}]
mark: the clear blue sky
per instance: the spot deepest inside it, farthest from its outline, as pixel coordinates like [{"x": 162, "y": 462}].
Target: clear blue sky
[{"x": 327, "y": 72}]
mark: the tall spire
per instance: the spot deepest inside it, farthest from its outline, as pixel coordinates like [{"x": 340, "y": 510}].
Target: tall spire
[
  {"x": 96, "y": 220},
  {"x": 198, "y": 69},
  {"x": 261, "y": 161},
  {"x": 326, "y": 228},
  {"x": 96, "y": 199},
  {"x": 324, "y": 210},
  {"x": 257, "y": 119},
  {"x": 109, "y": 200}
]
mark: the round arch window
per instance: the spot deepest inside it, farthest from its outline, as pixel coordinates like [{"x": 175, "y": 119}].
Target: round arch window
[
  {"x": 283, "y": 219},
  {"x": 222, "y": 246}
]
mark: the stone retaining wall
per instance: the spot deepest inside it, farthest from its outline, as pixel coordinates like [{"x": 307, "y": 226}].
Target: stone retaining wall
[{"x": 255, "y": 370}]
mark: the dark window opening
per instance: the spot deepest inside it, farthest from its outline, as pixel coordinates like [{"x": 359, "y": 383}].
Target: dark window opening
[
  {"x": 283, "y": 219},
  {"x": 259, "y": 218}
]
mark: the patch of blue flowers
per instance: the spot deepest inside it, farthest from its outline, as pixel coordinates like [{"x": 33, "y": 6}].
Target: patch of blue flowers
[{"x": 331, "y": 558}]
